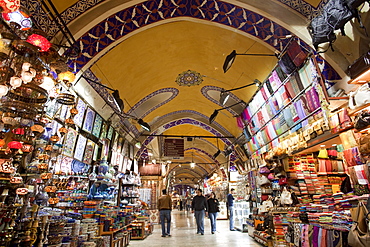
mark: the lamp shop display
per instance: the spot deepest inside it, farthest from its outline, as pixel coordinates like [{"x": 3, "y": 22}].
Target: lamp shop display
[{"x": 40, "y": 203}]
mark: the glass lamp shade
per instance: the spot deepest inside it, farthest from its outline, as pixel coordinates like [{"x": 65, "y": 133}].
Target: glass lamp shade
[
  {"x": 14, "y": 145},
  {"x": 9, "y": 121},
  {"x": 63, "y": 131},
  {"x": 73, "y": 111},
  {"x": 26, "y": 66},
  {"x": 67, "y": 77},
  {"x": 27, "y": 148},
  {"x": 39, "y": 41},
  {"x": 19, "y": 17},
  {"x": 21, "y": 191},
  {"x": 69, "y": 121},
  {"x": 26, "y": 76},
  {"x": 9, "y": 6},
  {"x": 3, "y": 90},
  {"x": 54, "y": 138},
  {"x": 37, "y": 128},
  {"x": 48, "y": 83},
  {"x": 15, "y": 82},
  {"x": 18, "y": 131},
  {"x": 2, "y": 142},
  {"x": 26, "y": 122}
]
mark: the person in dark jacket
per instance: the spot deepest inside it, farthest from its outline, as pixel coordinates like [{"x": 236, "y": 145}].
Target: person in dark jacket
[
  {"x": 199, "y": 208},
  {"x": 213, "y": 208},
  {"x": 230, "y": 206}
]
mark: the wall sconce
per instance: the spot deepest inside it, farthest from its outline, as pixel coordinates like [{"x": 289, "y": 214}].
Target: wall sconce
[
  {"x": 215, "y": 113},
  {"x": 231, "y": 58},
  {"x": 224, "y": 95}
]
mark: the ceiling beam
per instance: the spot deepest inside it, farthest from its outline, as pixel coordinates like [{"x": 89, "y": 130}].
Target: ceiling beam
[{"x": 183, "y": 136}]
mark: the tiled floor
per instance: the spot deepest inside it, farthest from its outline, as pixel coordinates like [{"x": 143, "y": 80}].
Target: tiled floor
[{"x": 183, "y": 231}]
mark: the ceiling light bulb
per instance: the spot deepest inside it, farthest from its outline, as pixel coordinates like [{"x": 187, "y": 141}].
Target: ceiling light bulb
[
  {"x": 48, "y": 83},
  {"x": 3, "y": 90},
  {"x": 26, "y": 76},
  {"x": 15, "y": 82},
  {"x": 224, "y": 96},
  {"x": 192, "y": 164}
]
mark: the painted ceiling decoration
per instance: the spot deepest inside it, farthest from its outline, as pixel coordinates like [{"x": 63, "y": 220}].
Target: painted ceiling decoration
[
  {"x": 221, "y": 130},
  {"x": 112, "y": 29},
  {"x": 147, "y": 98},
  {"x": 301, "y": 6},
  {"x": 115, "y": 28},
  {"x": 183, "y": 121},
  {"x": 189, "y": 78},
  {"x": 304, "y": 8}
]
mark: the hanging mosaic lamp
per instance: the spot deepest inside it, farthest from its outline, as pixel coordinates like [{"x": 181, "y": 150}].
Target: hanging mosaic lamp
[
  {"x": 15, "y": 82},
  {"x": 54, "y": 138},
  {"x": 39, "y": 41},
  {"x": 2, "y": 142},
  {"x": 37, "y": 129},
  {"x": 67, "y": 77},
  {"x": 9, "y": 6},
  {"x": 27, "y": 148},
  {"x": 47, "y": 83},
  {"x": 20, "y": 17},
  {"x": 3, "y": 90},
  {"x": 73, "y": 111},
  {"x": 14, "y": 145},
  {"x": 63, "y": 131}
]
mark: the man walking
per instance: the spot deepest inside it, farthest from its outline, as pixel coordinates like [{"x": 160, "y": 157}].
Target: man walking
[
  {"x": 164, "y": 207},
  {"x": 230, "y": 206},
  {"x": 199, "y": 208}
]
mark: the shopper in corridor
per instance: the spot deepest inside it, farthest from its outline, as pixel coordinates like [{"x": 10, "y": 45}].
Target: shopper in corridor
[
  {"x": 230, "y": 206},
  {"x": 199, "y": 208},
  {"x": 164, "y": 207},
  {"x": 213, "y": 208}
]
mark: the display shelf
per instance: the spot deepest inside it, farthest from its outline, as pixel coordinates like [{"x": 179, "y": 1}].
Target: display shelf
[
  {"x": 264, "y": 241},
  {"x": 140, "y": 229},
  {"x": 116, "y": 241}
]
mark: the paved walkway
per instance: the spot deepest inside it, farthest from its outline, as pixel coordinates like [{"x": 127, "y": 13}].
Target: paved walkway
[{"x": 183, "y": 231}]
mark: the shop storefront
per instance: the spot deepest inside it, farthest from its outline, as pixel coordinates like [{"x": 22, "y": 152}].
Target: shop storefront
[{"x": 307, "y": 177}]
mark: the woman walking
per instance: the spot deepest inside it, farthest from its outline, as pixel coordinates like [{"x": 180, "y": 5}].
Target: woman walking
[{"x": 213, "y": 208}]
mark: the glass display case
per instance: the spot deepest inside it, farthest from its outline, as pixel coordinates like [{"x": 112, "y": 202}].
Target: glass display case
[{"x": 241, "y": 214}]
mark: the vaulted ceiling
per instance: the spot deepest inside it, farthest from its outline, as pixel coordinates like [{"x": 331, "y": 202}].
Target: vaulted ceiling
[{"x": 140, "y": 48}]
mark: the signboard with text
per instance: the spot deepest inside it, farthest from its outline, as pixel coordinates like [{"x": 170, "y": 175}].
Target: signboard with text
[{"x": 173, "y": 148}]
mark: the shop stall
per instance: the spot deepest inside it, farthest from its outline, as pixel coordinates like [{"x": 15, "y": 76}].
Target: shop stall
[{"x": 308, "y": 172}]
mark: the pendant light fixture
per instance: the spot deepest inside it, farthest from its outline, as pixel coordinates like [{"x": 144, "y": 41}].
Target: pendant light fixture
[
  {"x": 192, "y": 164},
  {"x": 215, "y": 113},
  {"x": 225, "y": 95},
  {"x": 231, "y": 58},
  {"x": 217, "y": 153}
]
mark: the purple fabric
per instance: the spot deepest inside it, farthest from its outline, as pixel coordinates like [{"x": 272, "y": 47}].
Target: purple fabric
[
  {"x": 300, "y": 111},
  {"x": 246, "y": 114},
  {"x": 315, "y": 98},
  {"x": 315, "y": 236}
]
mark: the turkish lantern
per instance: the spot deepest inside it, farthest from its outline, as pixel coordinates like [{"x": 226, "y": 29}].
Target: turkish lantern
[
  {"x": 27, "y": 148},
  {"x": 9, "y": 6},
  {"x": 39, "y": 41},
  {"x": 14, "y": 145}
]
